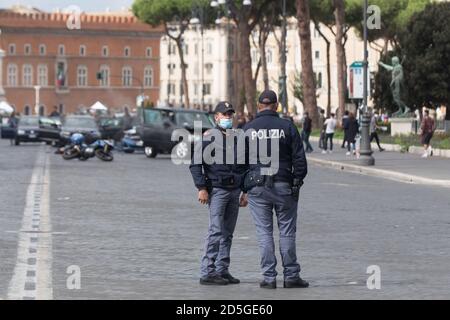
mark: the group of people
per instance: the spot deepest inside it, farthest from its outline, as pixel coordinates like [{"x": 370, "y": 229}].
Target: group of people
[
  {"x": 225, "y": 187},
  {"x": 328, "y": 127}
]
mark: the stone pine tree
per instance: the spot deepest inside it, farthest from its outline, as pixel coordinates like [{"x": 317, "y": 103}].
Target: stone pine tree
[{"x": 307, "y": 75}]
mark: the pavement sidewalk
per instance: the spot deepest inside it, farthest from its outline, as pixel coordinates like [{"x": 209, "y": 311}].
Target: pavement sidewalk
[{"x": 403, "y": 167}]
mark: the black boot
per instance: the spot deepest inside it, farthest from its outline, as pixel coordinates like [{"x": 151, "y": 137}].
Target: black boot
[
  {"x": 213, "y": 281},
  {"x": 230, "y": 278},
  {"x": 268, "y": 285},
  {"x": 299, "y": 283}
]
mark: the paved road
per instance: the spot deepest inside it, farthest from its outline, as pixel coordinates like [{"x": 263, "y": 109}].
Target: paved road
[{"x": 135, "y": 230}]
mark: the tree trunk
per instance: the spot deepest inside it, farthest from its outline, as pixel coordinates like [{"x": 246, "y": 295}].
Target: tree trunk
[
  {"x": 309, "y": 87},
  {"x": 249, "y": 82},
  {"x": 183, "y": 73},
  {"x": 262, "y": 51},
  {"x": 328, "y": 68},
  {"x": 339, "y": 16}
]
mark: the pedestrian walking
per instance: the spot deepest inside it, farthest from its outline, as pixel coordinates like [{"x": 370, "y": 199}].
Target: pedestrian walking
[
  {"x": 277, "y": 192},
  {"x": 219, "y": 186},
  {"x": 373, "y": 131},
  {"x": 344, "y": 125},
  {"x": 13, "y": 123},
  {"x": 427, "y": 127},
  {"x": 306, "y": 132},
  {"x": 352, "y": 131},
  {"x": 321, "y": 128},
  {"x": 330, "y": 127}
]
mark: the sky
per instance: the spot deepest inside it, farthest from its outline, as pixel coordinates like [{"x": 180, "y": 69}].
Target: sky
[{"x": 85, "y": 5}]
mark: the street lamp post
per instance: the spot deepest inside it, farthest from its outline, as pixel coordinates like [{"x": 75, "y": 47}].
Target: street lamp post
[
  {"x": 37, "y": 100},
  {"x": 366, "y": 152},
  {"x": 200, "y": 21}
]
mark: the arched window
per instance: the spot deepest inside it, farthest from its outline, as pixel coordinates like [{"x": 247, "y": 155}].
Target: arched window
[
  {"x": 82, "y": 50},
  {"x": 148, "y": 52},
  {"x": 42, "y": 110},
  {"x": 104, "y": 71},
  {"x": 27, "y": 75},
  {"x": 12, "y": 75},
  {"x": 82, "y": 76},
  {"x": 127, "y": 77},
  {"x": 27, "y": 110},
  {"x": 127, "y": 51},
  {"x": 42, "y": 49},
  {"x": 148, "y": 77},
  {"x": 105, "y": 51},
  {"x": 42, "y": 75}
]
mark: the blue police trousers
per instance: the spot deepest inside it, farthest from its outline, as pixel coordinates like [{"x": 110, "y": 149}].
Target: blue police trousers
[
  {"x": 262, "y": 201},
  {"x": 223, "y": 213}
]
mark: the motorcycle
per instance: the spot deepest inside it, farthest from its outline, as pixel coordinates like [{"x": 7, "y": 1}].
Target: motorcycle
[{"x": 78, "y": 148}]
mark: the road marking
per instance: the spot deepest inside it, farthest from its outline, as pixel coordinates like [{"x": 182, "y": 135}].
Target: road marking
[{"x": 32, "y": 278}]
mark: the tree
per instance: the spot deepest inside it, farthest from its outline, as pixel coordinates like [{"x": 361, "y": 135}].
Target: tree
[
  {"x": 394, "y": 17},
  {"x": 309, "y": 88},
  {"x": 174, "y": 15},
  {"x": 297, "y": 87},
  {"x": 425, "y": 46},
  {"x": 339, "y": 15},
  {"x": 322, "y": 13},
  {"x": 246, "y": 18}
]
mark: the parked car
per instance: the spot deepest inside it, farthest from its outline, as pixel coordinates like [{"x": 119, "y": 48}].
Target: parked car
[
  {"x": 111, "y": 128},
  {"x": 82, "y": 124},
  {"x": 33, "y": 129},
  {"x": 157, "y": 125}
]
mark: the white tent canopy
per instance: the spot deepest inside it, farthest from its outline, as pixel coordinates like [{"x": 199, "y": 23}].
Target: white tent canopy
[
  {"x": 98, "y": 106},
  {"x": 5, "y": 107}
]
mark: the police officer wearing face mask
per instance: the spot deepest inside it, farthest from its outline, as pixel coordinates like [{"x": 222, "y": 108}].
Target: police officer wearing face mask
[
  {"x": 276, "y": 191},
  {"x": 219, "y": 186}
]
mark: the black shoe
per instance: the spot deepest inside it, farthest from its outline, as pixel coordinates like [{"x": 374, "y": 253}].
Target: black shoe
[
  {"x": 300, "y": 283},
  {"x": 268, "y": 285},
  {"x": 381, "y": 149},
  {"x": 230, "y": 278},
  {"x": 213, "y": 281}
]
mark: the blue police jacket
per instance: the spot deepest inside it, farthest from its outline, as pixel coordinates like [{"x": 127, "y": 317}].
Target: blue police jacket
[
  {"x": 225, "y": 174},
  {"x": 292, "y": 160}
]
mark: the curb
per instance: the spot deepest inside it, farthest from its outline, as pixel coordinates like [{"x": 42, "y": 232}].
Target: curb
[
  {"x": 397, "y": 148},
  {"x": 380, "y": 173}
]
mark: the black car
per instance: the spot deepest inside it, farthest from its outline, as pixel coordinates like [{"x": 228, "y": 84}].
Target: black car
[
  {"x": 35, "y": 129},
  {"x": 111, "y": 128},
  {"x": 82, "y": 124},
  {"x": 158, "y": 124}
]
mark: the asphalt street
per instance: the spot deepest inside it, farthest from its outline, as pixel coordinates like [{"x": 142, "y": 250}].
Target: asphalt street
[{"x": 135, "y": 230}]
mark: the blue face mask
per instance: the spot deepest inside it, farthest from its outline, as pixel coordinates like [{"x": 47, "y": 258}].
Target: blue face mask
[{"x": 226, "y": 123}]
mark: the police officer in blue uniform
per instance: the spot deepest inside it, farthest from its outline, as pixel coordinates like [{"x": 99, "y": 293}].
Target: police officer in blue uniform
[
  {"x": 277, "y": 192},
  {"x": 219, "y": 186}
]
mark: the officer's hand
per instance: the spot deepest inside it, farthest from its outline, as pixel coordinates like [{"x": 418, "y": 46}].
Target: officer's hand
[
  {"x": 203, "y": 196},
  {"x": 243, "y": 201}
]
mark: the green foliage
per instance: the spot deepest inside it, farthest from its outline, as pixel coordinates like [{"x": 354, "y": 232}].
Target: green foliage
[
  {"x": 395, "y": 14},
  {"x": 156, "y": 12},
  {"x": 426, "y": 46}
]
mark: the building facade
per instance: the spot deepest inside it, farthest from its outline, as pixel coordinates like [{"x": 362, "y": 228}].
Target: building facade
[
  {"x": 48, "y": 64},
  {"x": 212, "y": 62}
]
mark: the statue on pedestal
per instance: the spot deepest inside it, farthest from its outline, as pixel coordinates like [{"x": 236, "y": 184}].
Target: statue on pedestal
[{"x": 396, "y": 86}]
